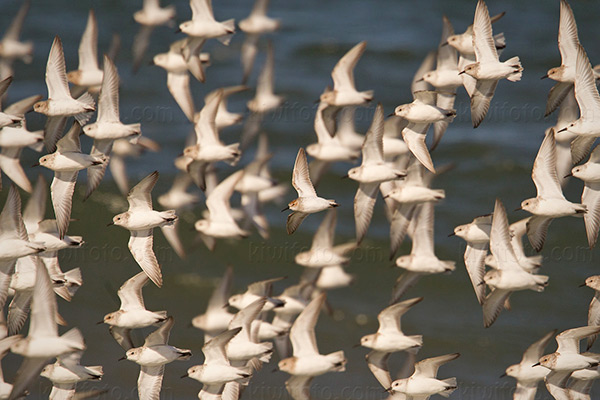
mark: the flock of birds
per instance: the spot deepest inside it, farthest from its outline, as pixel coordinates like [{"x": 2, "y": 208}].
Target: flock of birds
[{"x": 396, "y": 161}]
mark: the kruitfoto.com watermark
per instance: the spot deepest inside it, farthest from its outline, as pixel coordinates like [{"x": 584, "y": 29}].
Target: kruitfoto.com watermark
[
  {"x": 107, "y": 253},
  {"x": 263, "y": 252}
]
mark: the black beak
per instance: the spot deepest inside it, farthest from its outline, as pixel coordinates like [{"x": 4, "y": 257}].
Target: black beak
[
  {"x": 275, "y": 370},
  {"x": 568, "y": 175},
  {"x": 452, "y": 234},
  {"x": 444, "y": 44},
  {"x": 544, "y": 77},
  {"x": 226, "y": 305},
  {"x": 37, "y": 164},
  {"x": 391, "y": 115},
  {"x": 100, "y": 322},
  {"x": 420, "y": 80},
  {"x": 561, "y": 130},
  {"x": 388, "y": 390},
  {"x": 481, "y": 283},
  {"x": 356, "y": 345},
  {"x": 110, "y": 223},
  {"x": 317, "y": 101},
  {"x": 122, "y": 358},
  {"x": 178, "y": 30},
  {"x": 344, "y": 177},
  {"x": 503, "y": 375},
  {"x": 151, "y": 62},
  {"x": 519, "y": 209},
  {"x": 184, "y": 376},
  {"x": 285, "y": 209},
  {"x": 583, "y": 284},
  {"x": 461, "y": 72},
  {"x": 536, "y": 364}
]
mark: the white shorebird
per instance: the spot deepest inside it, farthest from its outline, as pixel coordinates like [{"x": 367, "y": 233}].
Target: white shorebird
[
  {"x": 550, "y": 202},
  {"x": 306, "y": 362},
  {"x": 510, "y": 275},
  {"x": 390, "y": 339},
  {"x": 140, "y": 219},
  {"x": 420, "y": 114},
  {"x": 307, "y": 202},
  {"x": 220, "y": 223},
  {"x": 255, "y": 291},
  {"x": 11, "y": 48},
  {"x": 589, "y": 173},
  {"x": 108, "y": 126},
  {"x": 527, "y": 375},
  {"x": 225, "y": 118},
  {"x": 60, "y": 104},
  {"x": 593, "y": 282},
  {"x": 14, "y": 241},
  {"x": 588, "y": 99},
  {"x": 152, "y": 357},
  {"x": 149, "y": 17},
  {"x": 132, "y": 313},
  {"x": 568, "y": 42},
  {"x": 203, "y": 24},
  {"x": 403, "y": 196},
  {"x": 216, "y": 370},
  {"x": 256, "y": 24},
  {"x": 328, "y": 148},
  {"x": 567, "y": 359},
  {"x": 42, "y": 342},
  {"x": 216, "y": 318},
  {"x": 322, "y": 252},
  {"x": 444, "y": 78},
  {"x": 67, "y": 372},
  {"x": 245, "y": 346},
  {"x": 88, "y": 74},
  {"x": 488, "y": 69},
  {"x": 372, "y": 171},
  {"x": 344, "y": 91},
  {"x": 66, "y": 162},
  {"x": 517, "y": 231},
  {"x": 423, "y": 382},
  {"x": 477, "y": 235},
  {"x": 422, "y": 259}
]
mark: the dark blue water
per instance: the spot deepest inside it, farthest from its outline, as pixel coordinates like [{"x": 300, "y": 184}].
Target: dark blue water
[{"x": 492, "y": 161}]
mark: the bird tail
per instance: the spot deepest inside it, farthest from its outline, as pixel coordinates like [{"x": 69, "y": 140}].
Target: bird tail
[
  {"x": 541, "y": 281},
  {"x": 96, "y": 371},
  {"x": 184, "y": 354},
  {"x": 451, "y": 386},
  {"x": 230, "y": 26},
  {"x": 516, "y": 64},
  {"x": 338, "y": 359},
  {"x": 440, "y": 194},
  {"x": 419, "y": 342},
  {"x": 500, "y": 40}
]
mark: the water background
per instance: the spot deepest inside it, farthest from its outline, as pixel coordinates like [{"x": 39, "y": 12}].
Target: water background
[{"x": 491, "y": 161}]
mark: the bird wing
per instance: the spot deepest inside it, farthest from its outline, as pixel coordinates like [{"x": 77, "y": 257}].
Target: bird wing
[
  {"x": 423, "y": 233},
  {"x": 300, "y": 177},
  {"x": 294, "y": 220},
  {"x": 568, "y": 341},
  {"x": 568, "y": 40},
  {"x": 389, "y": 317},
  {"x": 122, "y": 336},
  {"x": 14, "y": 30},
  {"x": 586, "y": 91},
  {"x": 88, "y": 46},
  {"x": 536, "y": 350},
  {"x": 206, "y": 127},
  {"x": 108, "y": 103},
  {"x": 43, "y": 305},
  {"x": 130, "y": 293},
  {"x": 139, "y": 197},
  {"x": 537, "y": 228},
  {"x": 56, "y": 73},
  {"x": 544, "y": 169},
  {"x": 364, "y": 201},
  {"x": 222, "y": 291},
  {"x": 179, "y": 87},
  {"x": 150, "y": 382},
  {"x": 480, "y": 100},
  {"x": 483, "y": 40},
  {"x": 493, "y": 304},
  {"x": 500, "y": 244},
  {"x": 35, "y": 210},
  {"x": 372, "y": 148},
  {"x": 343, "y": 72},
  {"x": 302, "y": 333},
  {"x": 591, "y": 199},
  {"x": 61, "y": 190},
  {"x": 475, "y": 263},
  {"x": 324, "y": 235},
  {"x": 214, "y": 350},
  {"x": 217, "y": 201},
  {"x": 428, "y": 367},
  {"x": 161, "y": 335},
  {"x": 298, "y": 386},
  {"x": 414, "y": 136},
  {"x": 28, "y": 371},
  {"x": 377, "y": 361},
  {"x": 140, "y": 246}
]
